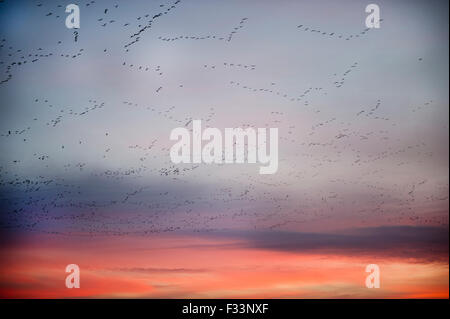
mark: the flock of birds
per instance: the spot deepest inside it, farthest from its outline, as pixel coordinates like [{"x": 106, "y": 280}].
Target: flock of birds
[
  {"x": 227, "y": 37},
  {"x": 90, "y": 195},
  {"x": 332, "y": 35}
]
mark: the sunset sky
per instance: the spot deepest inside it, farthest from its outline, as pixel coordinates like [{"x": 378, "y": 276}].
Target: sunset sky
[
  {"x": 86, "y": 177},
  {"x": 192, "y": 266}
]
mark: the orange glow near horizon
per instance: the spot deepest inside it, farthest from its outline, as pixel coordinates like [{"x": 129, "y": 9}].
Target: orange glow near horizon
[{"x": 187, "y": 267}]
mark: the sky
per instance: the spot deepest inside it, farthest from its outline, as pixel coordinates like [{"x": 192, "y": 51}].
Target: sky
[{"x": 86, "y": 176}]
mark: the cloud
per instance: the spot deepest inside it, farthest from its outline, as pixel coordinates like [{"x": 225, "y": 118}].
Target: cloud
[
  {"x": 415, "y": 242},
  {"x": 162, "y": 270}
]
